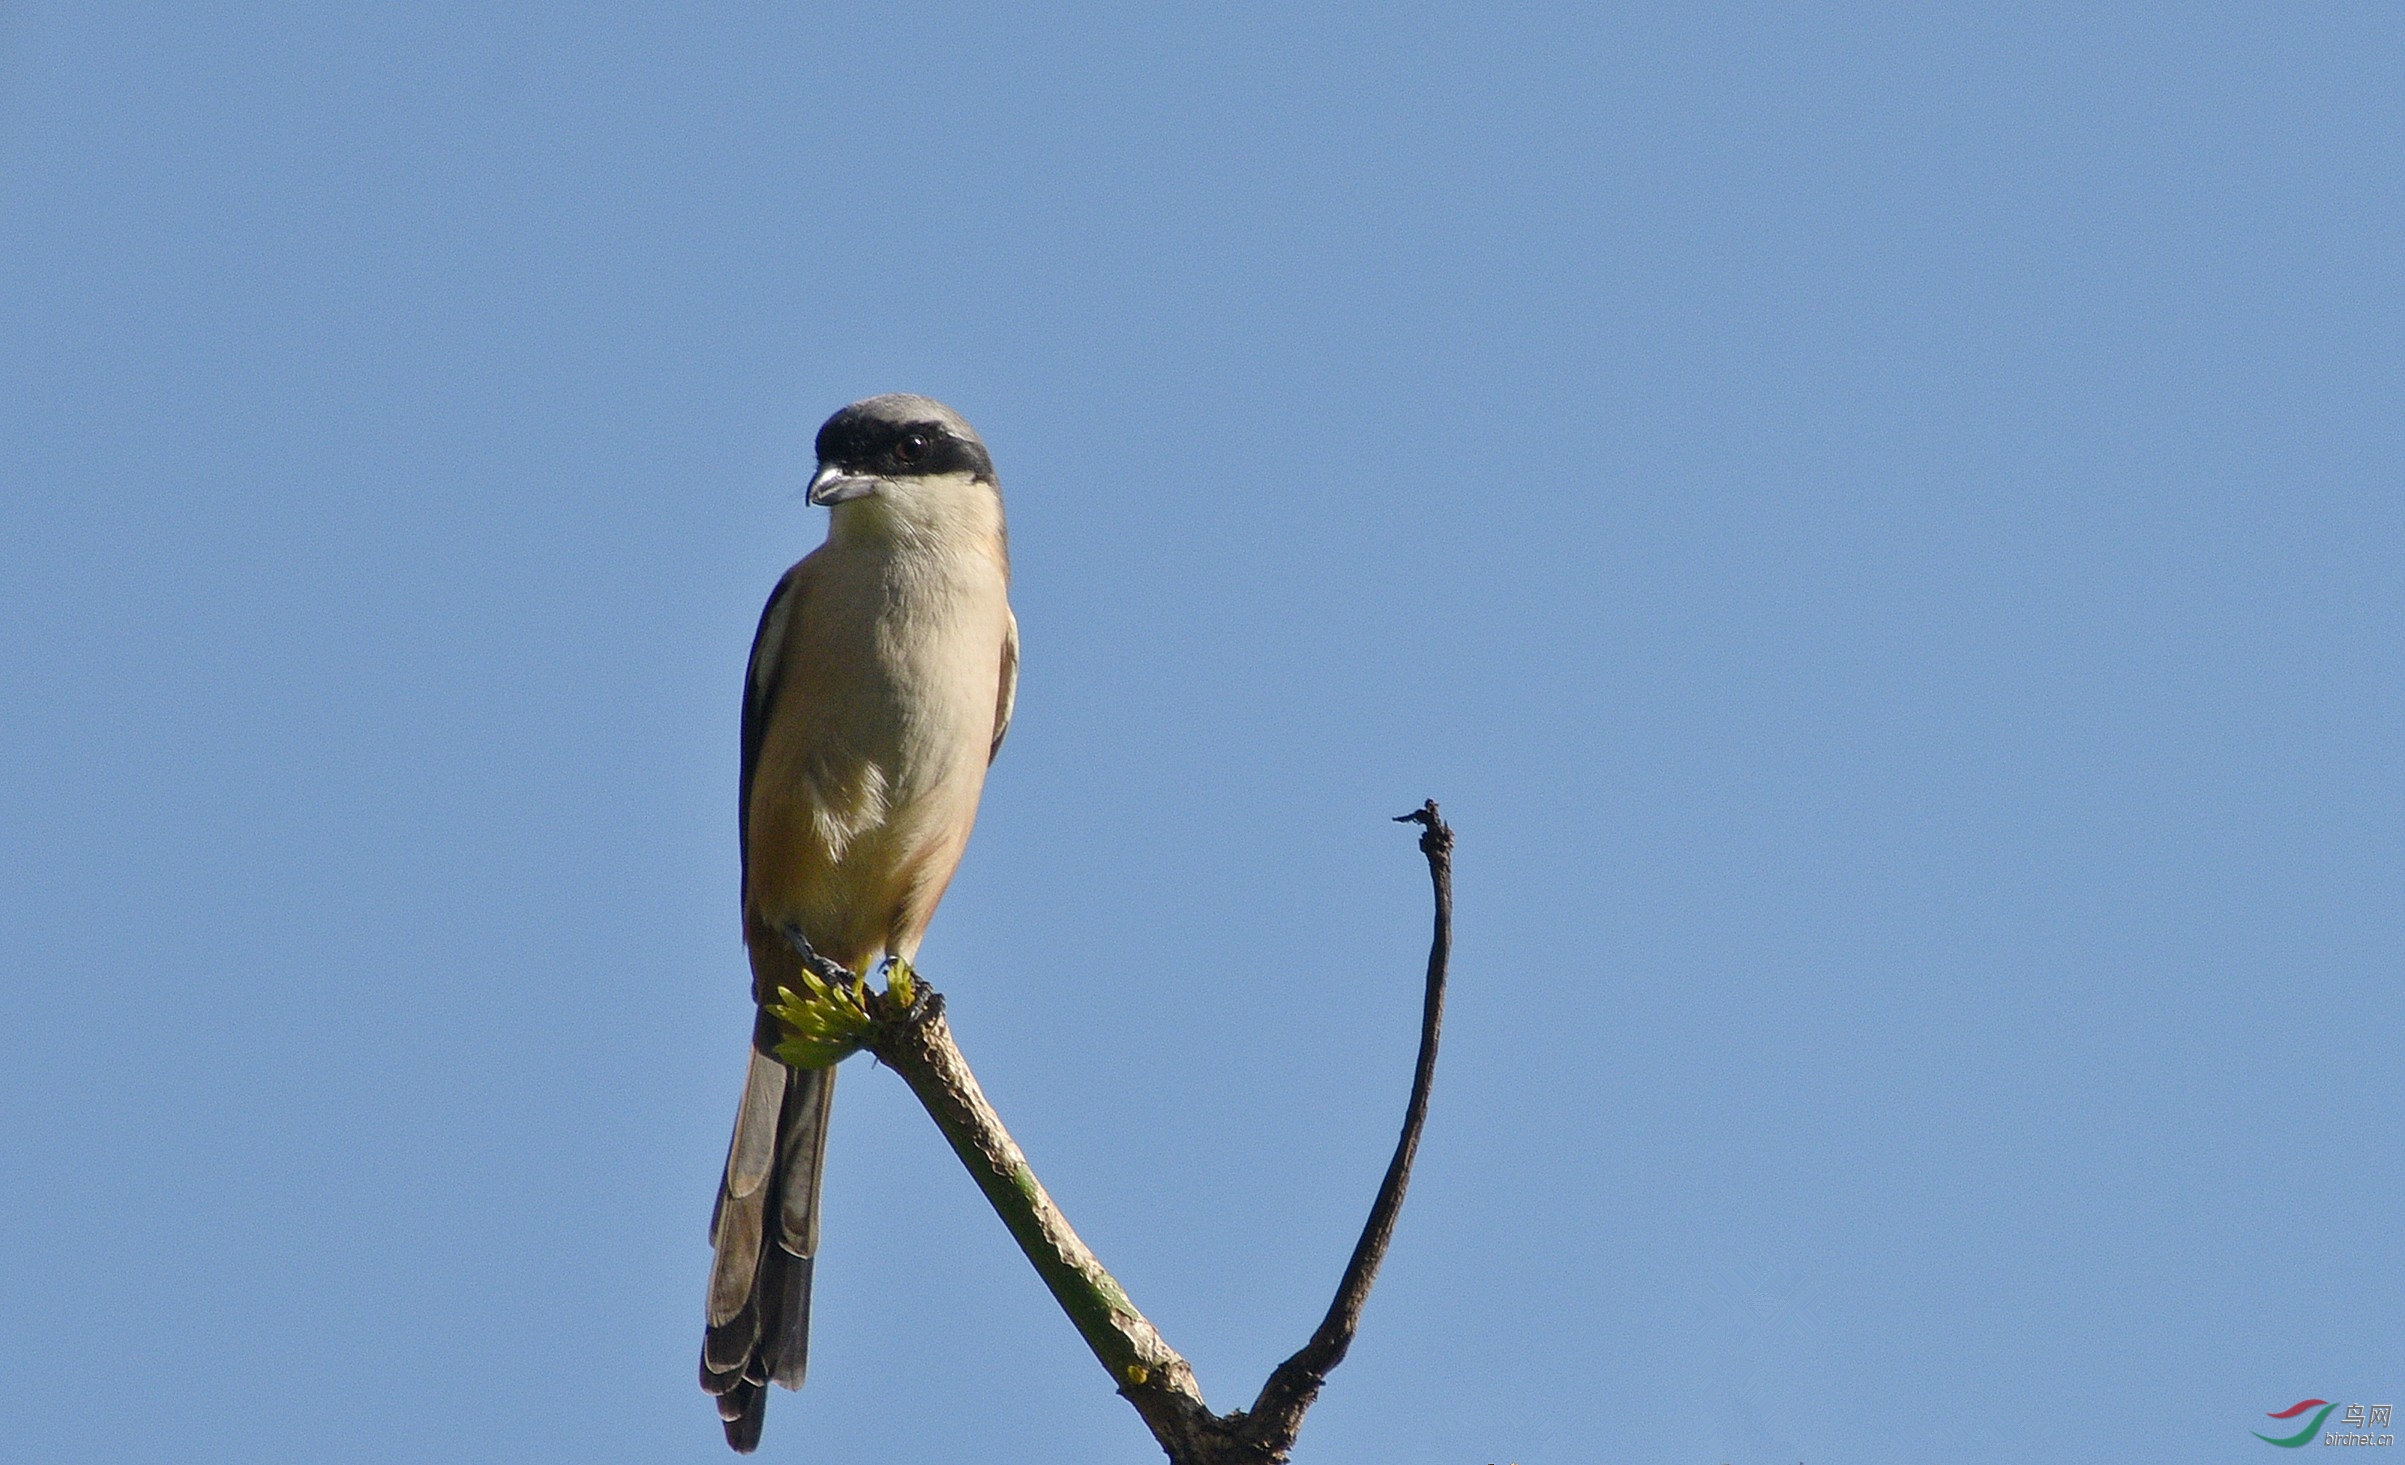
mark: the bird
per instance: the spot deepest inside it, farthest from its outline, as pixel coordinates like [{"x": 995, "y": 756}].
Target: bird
[{"x": 881, "y": 682}]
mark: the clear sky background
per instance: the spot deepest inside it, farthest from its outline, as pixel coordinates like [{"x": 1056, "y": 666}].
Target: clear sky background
[{"x": 1880, "y": 524}]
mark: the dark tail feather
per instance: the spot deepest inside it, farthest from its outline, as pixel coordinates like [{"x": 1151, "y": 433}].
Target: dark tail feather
[
  {"x": 801, "y": 1164},
  {"x": 765, "y": 1230},
  {"x": 742, "y": 1410}
]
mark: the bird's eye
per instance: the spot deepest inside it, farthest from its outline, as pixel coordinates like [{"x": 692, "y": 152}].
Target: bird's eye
[{"x": 911, "y": 448}]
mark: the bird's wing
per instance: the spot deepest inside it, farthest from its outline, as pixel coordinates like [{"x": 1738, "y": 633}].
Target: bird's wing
[
  {"x": 760, "y": 679},
  {"x": 764, "y": 1228},
  {"x": 1006, "y": 697}
]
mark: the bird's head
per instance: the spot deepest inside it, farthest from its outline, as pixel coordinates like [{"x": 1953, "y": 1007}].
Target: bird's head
[{"x": 909, "y": 461}]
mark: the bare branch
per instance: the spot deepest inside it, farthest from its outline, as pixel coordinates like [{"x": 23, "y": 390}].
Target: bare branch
[
  {"x": 1277, "y": 1416},
  {"x": 1142, "y": 1366},
  {"x": 905, "y": 1028}
]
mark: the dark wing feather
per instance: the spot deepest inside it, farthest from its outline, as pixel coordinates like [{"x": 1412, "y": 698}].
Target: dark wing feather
[{"x": 761, "y": 675}]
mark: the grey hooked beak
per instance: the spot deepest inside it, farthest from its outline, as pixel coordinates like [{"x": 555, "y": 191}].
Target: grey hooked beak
[{"x": 831, "y": 485}]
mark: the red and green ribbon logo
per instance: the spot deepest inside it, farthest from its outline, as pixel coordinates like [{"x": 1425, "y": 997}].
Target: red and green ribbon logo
[{"x": 2306, "y": 1434}]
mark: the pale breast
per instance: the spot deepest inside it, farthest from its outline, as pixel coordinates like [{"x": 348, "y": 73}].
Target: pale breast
[{"x": 870, "y": 772}]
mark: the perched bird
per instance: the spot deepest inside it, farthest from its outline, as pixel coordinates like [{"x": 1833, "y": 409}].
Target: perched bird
[{"x": 880, "y": 685}]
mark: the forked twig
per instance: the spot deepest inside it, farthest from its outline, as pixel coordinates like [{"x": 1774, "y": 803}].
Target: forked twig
[{"x": 905, "y": 1028}]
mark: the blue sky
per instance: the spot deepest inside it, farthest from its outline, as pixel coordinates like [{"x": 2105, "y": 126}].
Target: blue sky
[{"x": 1881, "y": 525}]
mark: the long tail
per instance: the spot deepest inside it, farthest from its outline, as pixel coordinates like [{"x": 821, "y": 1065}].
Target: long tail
[{"x": 765, "y": 1231}]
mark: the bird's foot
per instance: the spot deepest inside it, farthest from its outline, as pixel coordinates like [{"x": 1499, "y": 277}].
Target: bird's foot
[
  {"x": 837, "y": 1013},
  {"x": 827, "y": 970}
]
